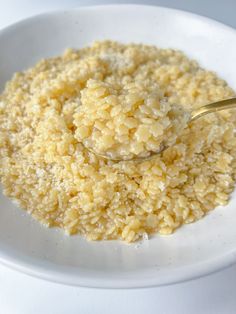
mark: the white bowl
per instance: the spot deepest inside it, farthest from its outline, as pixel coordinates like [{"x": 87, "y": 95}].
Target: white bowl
[{"x": 194, "y": 250}]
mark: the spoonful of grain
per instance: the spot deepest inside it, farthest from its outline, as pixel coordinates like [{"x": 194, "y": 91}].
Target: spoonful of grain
[{"x": 125, "y": 125}]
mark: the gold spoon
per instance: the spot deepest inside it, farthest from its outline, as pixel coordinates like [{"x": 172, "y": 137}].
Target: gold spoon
[{"x": 194, "y": 115}]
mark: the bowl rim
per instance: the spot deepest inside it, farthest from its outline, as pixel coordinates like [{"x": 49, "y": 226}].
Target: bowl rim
[
  {"x": 178, "y": 276},
  {"x": 36, "y": 269}
]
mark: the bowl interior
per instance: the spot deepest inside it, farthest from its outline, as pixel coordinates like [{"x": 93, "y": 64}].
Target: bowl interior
[{"x": 194, "y": 250}]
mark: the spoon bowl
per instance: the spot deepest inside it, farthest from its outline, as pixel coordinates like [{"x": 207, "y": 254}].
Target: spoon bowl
[{"x": 194, "y": 115}]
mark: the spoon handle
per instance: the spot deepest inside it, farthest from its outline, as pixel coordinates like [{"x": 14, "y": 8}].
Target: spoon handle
[{"x": 213, "y": 107}]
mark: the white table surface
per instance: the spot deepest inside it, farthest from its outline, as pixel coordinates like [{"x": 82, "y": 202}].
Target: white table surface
[{"x": 21, "y": 294}]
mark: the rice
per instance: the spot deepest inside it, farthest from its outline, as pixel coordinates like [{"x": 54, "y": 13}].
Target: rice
[{"x": 47, "y": 113}]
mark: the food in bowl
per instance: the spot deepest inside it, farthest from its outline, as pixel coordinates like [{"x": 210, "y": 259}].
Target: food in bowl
[{"x": 48, "y": 111}]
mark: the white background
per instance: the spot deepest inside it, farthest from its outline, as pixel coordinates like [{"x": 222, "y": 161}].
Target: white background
[{"x": 21, "y": 294}]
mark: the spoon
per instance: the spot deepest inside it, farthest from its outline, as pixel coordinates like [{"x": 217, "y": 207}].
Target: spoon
[{"x": 194, "y": 115}]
